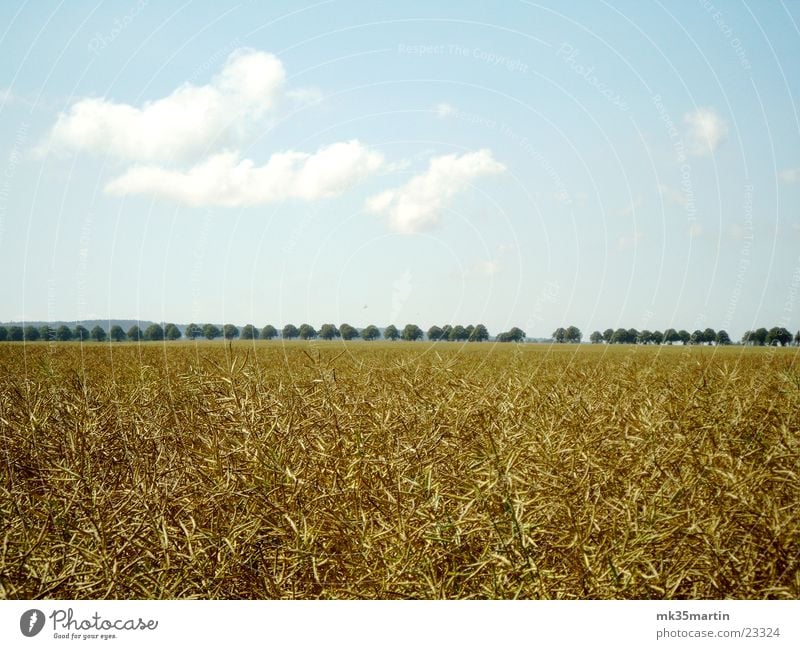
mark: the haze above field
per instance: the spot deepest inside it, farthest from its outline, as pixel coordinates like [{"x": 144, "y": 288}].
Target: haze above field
[{"x": 603, "y": 165}]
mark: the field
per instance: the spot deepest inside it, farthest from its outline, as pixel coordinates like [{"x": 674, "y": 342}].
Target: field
[{"x": 398, "y": 470}]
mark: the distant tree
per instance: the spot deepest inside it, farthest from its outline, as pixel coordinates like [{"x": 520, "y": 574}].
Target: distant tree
[
  {"x": 797, "y": 338},
  {"x": 31, "y": 333},
  {"x": 684, "y": 336},
  {"x": 468, "y": 330},
  {"x": 307, "y": 332},
  {"x": 63, "y": 333},
  {"x": 620, "y": 336},
  {"x": 412, "y": 332},
  {"x": 269, "y": 332},
  {"x": 645, "y": 337},
  {"x": 596, "y": 338},
  {"x": 98, "y": 334},
  {"x": 458, "y": 333},
  {"x": 171, "y": 331},
  {"x": 80, "y": 333},
  {"x": 289, "y": 332},
  {"x": 560, "y": 335},
  {"x": 779, "y": 336},
  {"x": 3, "y": 334},
  {"x": 434, "y": 333},
  {"x": 134, "y": 333},
  {"x": 633, "y": 334},
  {"x": 760, "y": 336},
  {"x": 328, "y": 332},
  {"x": 116, "y": 333},
  {"x": 391, "y": 333},
  {"x": 514, "y": 335},
  {"x": 16, "y": 333},
  {"x": 479, "y": 334},
  {"x": 47, "y": 333},
  {"x": 709, "y": 336},
  {"x": 371, "y": 333},
  {"x": 573, "y": 334},
  {"x": 657, "y": 337},
  {"x": 230, "y": 331},
  {"x": 608, "y": 334},
  {"x": 249, "y": 332},
  {"x": 671, "y": 336},
  {"x": 347, "y": 332},
  {"x": 154, "y": 332},
  {"x": 722, "y": 338},
  {"x": 696, "y": 338},
  {"x": 193, "y": 331},
  {"x": 446, "y": 331},
  {"x": 211, "y": 331}
]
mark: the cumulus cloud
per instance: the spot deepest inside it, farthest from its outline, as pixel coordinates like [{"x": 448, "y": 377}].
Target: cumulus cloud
[
  {"x": 443, "y": 110},
  {"x": 225, "y": 180},
  {"x": 418, "y": 205},
  {"x": 705, "y": 131},
  {"x": 790, "y": 176},
  {"x": 184, "y": 123}
]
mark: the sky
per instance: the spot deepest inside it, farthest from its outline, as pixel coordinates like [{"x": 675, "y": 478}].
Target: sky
[{"x": 532, "y": 164}]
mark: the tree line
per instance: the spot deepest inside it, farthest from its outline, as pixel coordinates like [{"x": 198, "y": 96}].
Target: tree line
[{"x": 775, "y": 336}]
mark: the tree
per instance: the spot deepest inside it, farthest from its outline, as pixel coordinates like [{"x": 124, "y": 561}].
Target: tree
[
  {"x": 347, "y": 332},
  {"x": 458, "y": 333},
  {"x": 134, "y": 333},
  {"x": 671, "y": 336},
  {"x": 620, "y": 337},
  {"x": 760, "y": 336},
  {"x": 47, "y": 333},
  {"x": 560, "y": 335},
  {"x": 328, "y": 332},
  {"x": 434, "y": 333},
  {"x": 390, "y": 333},
  {"x": 514, "y": 335},
  {"x": 371, "y": 333},
  {"x": 193, "y": 331},
  {"x": 573, "y": 334},
  {"x": 80, "y": 333},
  {"x": 171, "y": 331},
  {"x": 289, "y": 332},
  {"x": 479, "y": 334},
  {"x": 269, "y": 332},
  {"x": 412, "y": 332},
  {"x": 608, "y": 334},
  {"x": 307, "y": 332},
  {"x": 696, "y": 338},
  {"x": 779, "y": 335},
  {"x": 3, "y": 334},
  {"x": 249, "y": 332},
  {"x": 98, "y": 334},
  {"x": 211, "y": 331},
  {"x": 657, "y": 337},
  {"x": 645, "y": 337},
  {"x": 116, "y": 333},
  {"x": 797, "y": 338},
  {"x": 31, "y": 333},
  {"x": 16, "y": 333},
  {"x": 633, "y": 334},
  {"x": 722, "y": 338},
  {"x": 63, "y": 333},
  {"x": 154, "y": 332},
  {"x": 468, "y": 330},
  {"x": 596, "y": 337},
  {"x": 446, "y": 331},
  {"x": 709, "y": 336},
  {"x": 684, "y": 336},
  {"x": 230, "y": 331}
]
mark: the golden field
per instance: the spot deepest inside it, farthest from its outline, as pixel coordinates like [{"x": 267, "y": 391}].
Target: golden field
[{"x": 398, "y": 470}]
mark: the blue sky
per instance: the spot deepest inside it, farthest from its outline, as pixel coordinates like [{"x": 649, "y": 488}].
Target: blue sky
[{"x": 605, "y": 164}]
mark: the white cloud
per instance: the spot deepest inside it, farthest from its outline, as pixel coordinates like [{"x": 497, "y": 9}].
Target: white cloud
[
  {"x": 443, "y": 110},
  {"x": 488, "y": 268},
  {"x": 790, "y": 176},
  {"x": 226, "y": 180},
  {"x": 705, "y": 130},
  {"x": 629, "y": 241},
  {"x": 187, "y": 122},
  {"x": 673, "y": 195},
  {"x": 419, "y": 204}
]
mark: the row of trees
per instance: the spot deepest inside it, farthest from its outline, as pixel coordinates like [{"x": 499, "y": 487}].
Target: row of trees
[
  {"x": 63, "y": 333},
  {"x": 775, "y": 336}
]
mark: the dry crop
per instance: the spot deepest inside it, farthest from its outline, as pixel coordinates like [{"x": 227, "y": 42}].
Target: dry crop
[{"x": 402, "y": 470}]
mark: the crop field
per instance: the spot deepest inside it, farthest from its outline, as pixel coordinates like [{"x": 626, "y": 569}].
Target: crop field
[{"x": 398, "y": 470}]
